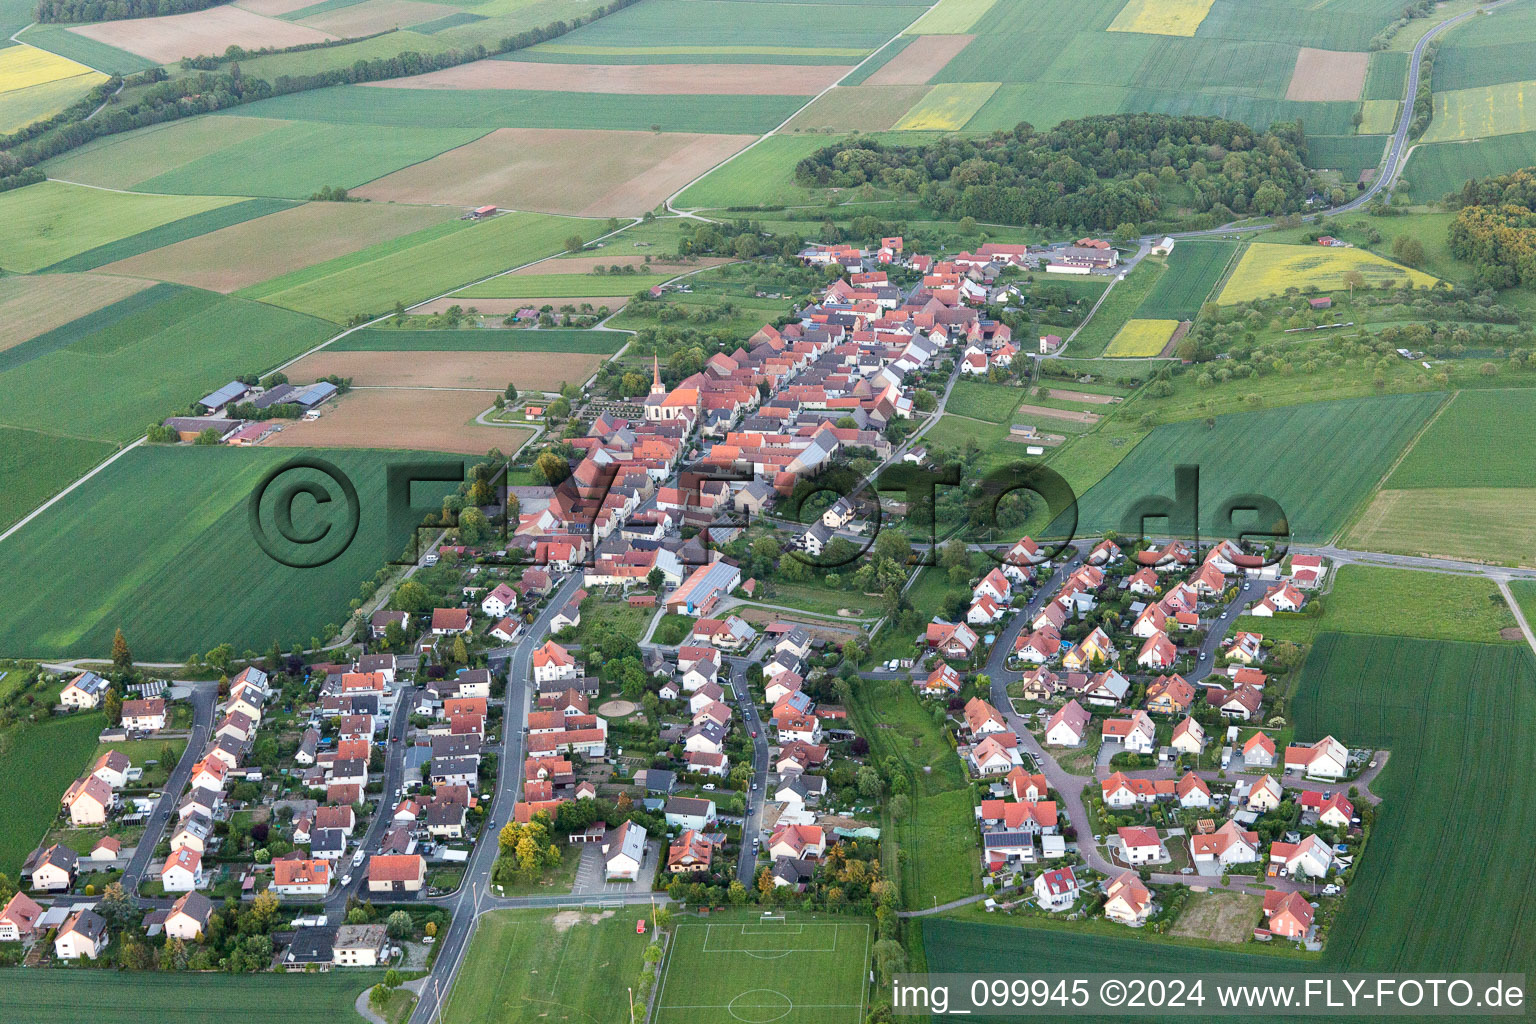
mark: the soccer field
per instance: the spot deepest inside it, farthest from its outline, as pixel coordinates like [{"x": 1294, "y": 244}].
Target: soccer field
[{"x": 794, "y": 969}]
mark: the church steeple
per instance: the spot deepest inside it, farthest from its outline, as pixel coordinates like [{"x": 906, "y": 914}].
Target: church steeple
[{"x": 656, "y": 386}]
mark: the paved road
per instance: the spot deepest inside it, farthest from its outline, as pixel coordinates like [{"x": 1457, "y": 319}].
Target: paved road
[
  {"x": 203, "y": 699},
  {"x": 394, "y": 778},
  {"x": 746, "y": 863}
]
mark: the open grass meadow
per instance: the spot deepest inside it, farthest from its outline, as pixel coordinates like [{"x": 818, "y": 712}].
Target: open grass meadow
[
  {"x": 1279, "y": 453},
  {"x": 1141, "y": 338},
  {"x": 382, "y": 339},
  {"x": 1269, "y": 269},
  {"x": 419, "y": 265},
  {"x": 991, "y": 402},
  {"x": 143, "y": 358},
  {"x": 153, "y": 543},
  {"x": 564, "y": 967},
  {"x": 1436, "y": 170},
  {"x": 714, "y": 971},
  {"x": 1351, "y": 155},
  {"x": 1194, "y": 267},
  {"x": 49, "y": 754},
  {"x": 761, "y": 176},
  {"x": 54, "y": 997},
  {"x": 42, "y": 224},
  {"x": 1381, "y": 601},
  {"x": 1480, "y": 524},
  {"x": 1412, "y": 697}
]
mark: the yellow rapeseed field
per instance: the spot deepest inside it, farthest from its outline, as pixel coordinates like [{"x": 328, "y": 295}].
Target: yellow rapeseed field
[
  {"x": 1161, "y": 17},
  {"x": 1142, "y": 338},
  {"x": 23, "y": 66},
  {"x": 1269, "y": 268},
  {"x": 946, "y": 108}
]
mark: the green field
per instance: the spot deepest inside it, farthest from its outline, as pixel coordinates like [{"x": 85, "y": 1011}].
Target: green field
[
  {"x": 1483, "y": 111},
  {"x": 991, "y": 402},
  {"x": 561, "y": 286},
  {"x": 379, "y": 339},
  {"x": 1380, "y": 601},
  {"x": 947, "y": 107},
  {"x": 46, "y": 997},
  {"x": 1480, "y": 440},
  {"x": 35, "y": 465},
  {"x": 565, "y": 971},
  {"x": 951, "y": 17},
  {"x": 478, "y": 111},
  {"x": 763, "y": 175},
  {"x": 49, "y": 755},
  {"x": 1487, "y": 50},
  {"x": 101, "y": 56},
  {"x": 714, "y": 971},
  {"x": 144, "y": 358},
  {"x": 1411, "y": 697},
  {"x": 1280, "y": 453},
  {"x": 169, "y": 234},
  {"x": 133, "y": 544},
  {"x": 1435, "y": 170},
  {"x": 1123, "y": 303},
  {"x": 1194, "y": 267},
  {"x": 1386, "y": 77},
  {"x": 419, "y": 265},
  {"x": 122, "y": 161},
  {"x": 1350, "y": 154},
  {"x": 51, "y": 221}
]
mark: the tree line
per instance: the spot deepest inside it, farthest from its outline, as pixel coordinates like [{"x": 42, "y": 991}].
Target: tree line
[
  {"x": 1095, "y": 173},
  {"x": 114, "y": 10},
  {"x": 1495, "y": 229}
]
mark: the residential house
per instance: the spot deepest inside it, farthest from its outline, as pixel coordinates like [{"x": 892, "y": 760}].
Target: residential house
[
  {"x": 188, "y": 917},
  {"x": 1056, "y": 890},
  {"x": 1228, "y": 845},
  {"x": 996, "y": 754},
  {"x": 144, "y": 715},
  {"x": 1332, "y": 809},
  {"x": 952, "y": 639},
  {"x": 89, "y": 800},
  {"x": 1137, "y": 734},
  {"x": 1246, "y": 648},
  {"x": 450, "y": 621},
  {"x": 499, "y": 601},
  {"x": 1188, "y": 737},
  {"x": 1158, "y": 653},
  {"x": 1192, "y": 791},
  {"x": 84, "y": 934},
  {"x": 798, "y": 842},
  {"x": 1325, "y": 759},
  {"x": 1289, "y": 914},
  {"x": 1310, "y": 858},
  {"x": 1094, "y": 649},
  {"x": 54, "y": 869},
  {"x": 688, "y": 813},
  {"x": 297, "y": 876},
  {"x": 1068, "y": 726},
  {"x": 1170, "y": 695},
  {"x": 112, "y": 768},
  {"x": 18, "y": 921},
  {"x": 982, "y": 718},
  {"x": 183, "y": 871},
  {"x": 552, "y": 662},
  {"x": 1264, "y": 795},
  {"x": 1140, "y": 844},
  {"x": 1259, "y": 751},
  {"x": 84, "y": 692},
  {"x": 690, "y": 855},
  {"x": 1127, "y": 901},
  {"x": 624, "y": 852},
  {"x": 1283, "y": 597},
  {"x": 360, "y": 945},
  {"x": 1242, "y": 704}
]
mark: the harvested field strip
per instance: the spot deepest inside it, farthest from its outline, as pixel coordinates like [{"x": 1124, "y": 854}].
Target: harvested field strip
[
  {"x": 1161, "y": 17},
  {"x": 1268, "y": 268},
  {"x": 375, "y": 339},
  {"x": 864, "y": 108},
  {"x": 306, "y": 10},
  {"x": 420, "y": 265},
  {"x": 1322, "y": 75},
  {"x": 951, "y": 17},
  {"x": 947, "y": 107},
  {"x": 30, "y": 306},
  {"x": 437, "y": 421},
  {"x": 921, "y": 60},
  {"x": 518, "y": 286},
  {"x": 364, "y": 19},
  {"x": 84, "y": 326},
  {"x": 169, "y": 234},
  {"x": 1141, "y": 338},
  {"x": 591, "y": 173},
  {"x": 656, "y": 80},
  {"x": 473, "y": 370},
  {"x": 43, "y": 224},
  {"x": 253, "y": 251},
  {"x": 1504, "y": 109},
  {"x": 171, "y": 38},
  {"x": 879, "y": 59}
]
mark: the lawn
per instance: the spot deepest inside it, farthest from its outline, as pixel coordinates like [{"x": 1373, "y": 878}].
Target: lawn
[
  {"x": 49, "y": 755},
  {"x": 51, "y": 221},
  {"x": 1460, "y": 448},
  {"x": 1269, "y": 269},
  {"x": 134, "y": 540},
  {"x": 940, "y": 853},
  {"x": 141, "y": 752},
  {"x": 144, "y": 358},
  {"x": 568, "y": 967},
  {"x": 1399, "y": 602},
  {"x": 1281, "y": 453},
  {"x": 1141, "y": 338},
  {"x": 1123, "y": 302},
  {"x": 991, "y": 402},
  {"x": 103, "y": 997},
  {"x": 1194, "y": 267},
  {"x": 419, "y": 265},
  {"x": 714, "y": 971},
  {"x": 385, "y": 339}
]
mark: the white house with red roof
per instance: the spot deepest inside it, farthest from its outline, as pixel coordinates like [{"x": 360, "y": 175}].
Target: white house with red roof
[
  {"x": 1137, "y": 734},
  {"x": 1245, "y": 647},
  {"x": 1310, "y": 858},
  {"x": 1333, "y": 809},
  {"x": 985, "y": 611},
  {"x": 994, "y": 585},
  {"x": 552, "y": 662},
  {"x": 1027, "y": 786},
  {"x": 1188, "y": 737},
  {"x": 183, "y": 871},
  {"x": 995, "y": 754},
  {"x": 1127, "y": 901},
  {"x": 952, "y": 639},
  {"x": 499, "y": 602},
  {"x": 1288, "y": 914},
  {"x": 1068, "y": 726},
  {"x": 1226, "y": 846},
  {"x": 1307, "y": 571},
  {"x": 447, "y": 621},
  {"x": 1140, "y": 844},
  {"x": 1105, "y": 552},
  {"x": 1263, "y": 796},
  {"x": 1056, "y": 890},
  {"x": 1158, "y": 653},
  {"x": 1325, "y": 759},
  {"x": 1192, "y": 792},
  {"x": 1281, "y": 598},
  {"x": 1038, "y": 648}
]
